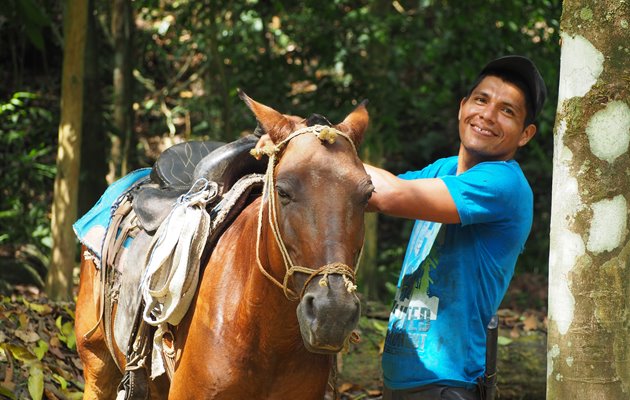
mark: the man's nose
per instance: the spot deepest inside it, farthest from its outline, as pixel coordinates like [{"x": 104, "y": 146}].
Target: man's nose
[{"x": 489, "y": 112}]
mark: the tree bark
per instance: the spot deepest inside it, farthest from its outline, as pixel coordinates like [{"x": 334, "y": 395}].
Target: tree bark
[
  {"x": 92, "y": 181},
  {"x": 64, "y": 208},
  {"x": 589, "y": 279},
  {"x": 122, "y": 33}
]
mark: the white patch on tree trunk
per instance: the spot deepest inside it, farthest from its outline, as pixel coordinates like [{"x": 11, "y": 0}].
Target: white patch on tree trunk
[
  {"x": 551, "y": 354},
  {"x": 580, "y": 66},
  {"x": 608, "y": 225},
  {"x": 565, "y": 245},
  {"x": 608, "y": 131}
]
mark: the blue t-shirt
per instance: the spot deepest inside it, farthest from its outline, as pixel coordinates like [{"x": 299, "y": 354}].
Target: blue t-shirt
[{"x": 454, "y": 276}]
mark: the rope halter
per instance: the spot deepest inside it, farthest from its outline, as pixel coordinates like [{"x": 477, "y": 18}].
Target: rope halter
[{"x": 325, "y": 134}]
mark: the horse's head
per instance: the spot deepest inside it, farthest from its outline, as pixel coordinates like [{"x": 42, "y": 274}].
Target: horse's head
[{"x": 317, "y": 190}]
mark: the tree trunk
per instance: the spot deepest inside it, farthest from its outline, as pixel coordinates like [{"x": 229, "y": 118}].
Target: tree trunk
[
  {"x": 122, "y": 33},
  {"x": 92, "y": 181},
  {"x": 64, "y": 208},
  {"x": 589, "y": 278},
  {"x": 369, "y": 279}
]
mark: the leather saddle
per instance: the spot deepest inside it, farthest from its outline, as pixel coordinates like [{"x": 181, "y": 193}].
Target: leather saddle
[{"x": 180, "y": 166}]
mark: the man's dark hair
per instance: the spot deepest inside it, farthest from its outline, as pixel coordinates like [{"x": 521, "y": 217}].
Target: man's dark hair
[{"x": 517, "y": 81}]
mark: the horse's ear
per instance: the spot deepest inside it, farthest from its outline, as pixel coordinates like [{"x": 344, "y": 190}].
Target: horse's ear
[
  {"x": 272, "y": 122},
  {"x": 355, "y": 123}
]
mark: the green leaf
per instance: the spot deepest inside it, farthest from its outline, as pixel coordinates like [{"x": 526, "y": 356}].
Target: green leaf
[
  {"x": 61, "y": 380},
  {"x": 32, "y": 13},
  {"x": 20, "y": 353},
  {"x": 42, "y": 309},
  {"x": 36, "y": 381},
  {"x": 504, "y": 341},
  {"x": 7, "y": 393},
  {"x": 66, "y": 333},
  {"x": 41, "y": 349},
  {"x": 73, "y": 395}
]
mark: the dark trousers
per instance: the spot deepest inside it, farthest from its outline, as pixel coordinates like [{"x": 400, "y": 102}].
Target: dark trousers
[{"x": 431, "y": 392}]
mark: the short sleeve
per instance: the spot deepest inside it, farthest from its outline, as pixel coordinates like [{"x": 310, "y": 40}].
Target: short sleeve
[
  {"x": 489, "y": 192},
  {"x": 443, "y": 166}
]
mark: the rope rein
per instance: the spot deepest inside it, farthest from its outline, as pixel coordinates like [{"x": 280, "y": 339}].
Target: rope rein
[{"x": 325, "y": 134}]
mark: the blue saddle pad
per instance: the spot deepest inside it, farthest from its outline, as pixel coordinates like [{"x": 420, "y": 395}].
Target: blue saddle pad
[{"x": 91, "y": 228}]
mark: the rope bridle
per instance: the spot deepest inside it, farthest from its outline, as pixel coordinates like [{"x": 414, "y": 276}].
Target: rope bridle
[{"x": 325, "y": 134}]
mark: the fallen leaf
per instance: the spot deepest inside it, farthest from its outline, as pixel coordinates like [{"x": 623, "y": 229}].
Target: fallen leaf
[
  {"x": 503, "y": 341},
  {"x": 27, "y": 336},
  {"x": 54, "y": 342},
  {"x": 530, "y": 323},
  {"x": 50, "y": 395},
  {"x": 345, "y": 387},
  {"x": 42, "y": 309},
  {"x": 20, "y": 353},
  {"x": 36, "y": 381},
  {"x": 8, "y": 393},
  {"x": 41, "y": 349},
  {"x": 57, "y": 353}
]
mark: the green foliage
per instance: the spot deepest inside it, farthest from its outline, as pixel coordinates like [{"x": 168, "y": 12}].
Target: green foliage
[
  {"x": 413, "y": 60},
  {"x": 30, "y": 42},
  {"x": 28, "y": 14},
  {"x": 35, "y": 352},
  {"x": 27, "y": 163}
]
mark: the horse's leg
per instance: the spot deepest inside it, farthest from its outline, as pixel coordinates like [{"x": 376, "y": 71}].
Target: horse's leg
[{"x": 99, "y": 368}]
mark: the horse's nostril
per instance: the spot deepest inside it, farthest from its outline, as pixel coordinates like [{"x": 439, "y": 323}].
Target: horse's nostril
[{"x": 309, "y": 306}]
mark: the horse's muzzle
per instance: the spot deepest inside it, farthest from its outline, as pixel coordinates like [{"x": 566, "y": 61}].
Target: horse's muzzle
[{"x": 327, "y": 315}]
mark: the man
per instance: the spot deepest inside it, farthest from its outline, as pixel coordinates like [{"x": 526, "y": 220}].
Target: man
[{"x": 474, "y": 213}]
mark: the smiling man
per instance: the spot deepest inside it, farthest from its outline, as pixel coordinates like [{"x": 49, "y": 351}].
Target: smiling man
[{"x": 473, "y": 214}]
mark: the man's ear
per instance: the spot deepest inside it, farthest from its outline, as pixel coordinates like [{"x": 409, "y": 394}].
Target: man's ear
[{"x": 528, "y": 133}]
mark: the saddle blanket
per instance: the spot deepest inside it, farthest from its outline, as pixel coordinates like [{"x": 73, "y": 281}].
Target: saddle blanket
[{"x": 91, "y": 228}]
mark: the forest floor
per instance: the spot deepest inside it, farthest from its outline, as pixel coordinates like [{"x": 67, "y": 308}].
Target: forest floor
[{"x": 38, "y": 357}]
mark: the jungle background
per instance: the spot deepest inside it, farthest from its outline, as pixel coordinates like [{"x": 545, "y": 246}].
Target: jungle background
[{"x": 186, "y": 59}]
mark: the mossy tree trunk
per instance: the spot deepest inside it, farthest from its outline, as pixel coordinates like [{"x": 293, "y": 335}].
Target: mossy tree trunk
[
  {"x": 589, "y": 273},
  {"x": 64, "y": 208}
]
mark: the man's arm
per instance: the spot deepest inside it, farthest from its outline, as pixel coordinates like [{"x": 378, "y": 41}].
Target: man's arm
[{"x": 426, "y": 199}]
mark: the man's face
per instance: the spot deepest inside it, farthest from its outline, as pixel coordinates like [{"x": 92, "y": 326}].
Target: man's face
[{"x": 491, "y": 121}]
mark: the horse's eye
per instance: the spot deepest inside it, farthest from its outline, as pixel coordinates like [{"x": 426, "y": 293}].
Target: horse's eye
[
  {"x": 282, "y": 193},
  {"x": 285, "y": 197},
  {"x": 367, "y": 195}
]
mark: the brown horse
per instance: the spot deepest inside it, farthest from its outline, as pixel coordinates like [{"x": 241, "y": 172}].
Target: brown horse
[{"x": 276, "y": 297}]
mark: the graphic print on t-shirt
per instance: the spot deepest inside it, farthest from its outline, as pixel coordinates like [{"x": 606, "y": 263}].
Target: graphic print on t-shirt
[{"x": 413, "y": 308}]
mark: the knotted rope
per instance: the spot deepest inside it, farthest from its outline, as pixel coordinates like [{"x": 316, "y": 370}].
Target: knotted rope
[{"x": 325, "y": 134}]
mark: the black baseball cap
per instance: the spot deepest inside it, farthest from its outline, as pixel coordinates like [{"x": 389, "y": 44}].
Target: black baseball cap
[{"x": 525, "y": 69}]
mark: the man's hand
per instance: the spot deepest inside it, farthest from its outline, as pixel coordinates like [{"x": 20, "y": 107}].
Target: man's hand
[{"x": 426, "y": 199}]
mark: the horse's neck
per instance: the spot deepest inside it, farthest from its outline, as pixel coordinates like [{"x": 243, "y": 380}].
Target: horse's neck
[{"x": 255, "y": 298}]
